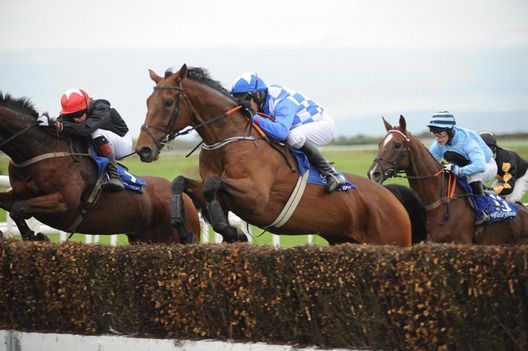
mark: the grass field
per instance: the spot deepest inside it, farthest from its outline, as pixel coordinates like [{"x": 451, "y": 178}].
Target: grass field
[{"x": 355, "y": 160}]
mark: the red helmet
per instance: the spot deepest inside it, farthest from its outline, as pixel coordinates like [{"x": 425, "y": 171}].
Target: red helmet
[{"x": 74, "y": 100}]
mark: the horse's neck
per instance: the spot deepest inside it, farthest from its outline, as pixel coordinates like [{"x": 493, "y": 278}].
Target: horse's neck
[
  {"x": 423, "y": 166},
  {"x": 36, "y": 141},
  {"x": 209, "y": 107}
]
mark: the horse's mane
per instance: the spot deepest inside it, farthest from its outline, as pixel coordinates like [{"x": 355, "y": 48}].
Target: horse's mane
[
  {"x": 22, "y": 105},
  {"x": 201, "y": 75}
]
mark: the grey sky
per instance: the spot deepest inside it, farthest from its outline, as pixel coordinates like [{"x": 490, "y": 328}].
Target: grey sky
[{"x": 359, "y": 59}]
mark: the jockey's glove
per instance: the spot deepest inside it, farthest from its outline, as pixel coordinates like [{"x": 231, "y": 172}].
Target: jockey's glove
[
  {"x": 452, "y": 168},
  {"x": 45, "y": 120},
  {"x": 246, "y": 107}
]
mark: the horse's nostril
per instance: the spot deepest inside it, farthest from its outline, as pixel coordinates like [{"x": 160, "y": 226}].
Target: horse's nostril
[
  {"x": 376, "y": 176},
  {"x": 145, "y": 153}
]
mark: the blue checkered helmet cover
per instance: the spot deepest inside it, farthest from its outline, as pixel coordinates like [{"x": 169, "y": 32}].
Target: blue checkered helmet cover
[
  {"x": 248, "y": 83},
  {"x": 442, "y": 119}
]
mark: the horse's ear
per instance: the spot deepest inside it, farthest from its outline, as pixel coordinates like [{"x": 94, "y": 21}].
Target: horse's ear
[
  {"x": 183, "y": 72},
  {"x": 154, "y": 76},
  {"x": 387, "y": 125},
  {"x": 403, "y": 123}
]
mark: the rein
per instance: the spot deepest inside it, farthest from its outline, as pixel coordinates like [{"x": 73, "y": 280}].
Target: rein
[
  {"x": 168, "y": 131},
  {"x": 170, "y": 135},
  {"x": 19, "y": 133},
  {"x": 39, "y": 157}
]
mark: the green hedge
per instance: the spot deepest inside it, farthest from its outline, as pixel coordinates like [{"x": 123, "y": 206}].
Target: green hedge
[{"x": 430, "y": 297}]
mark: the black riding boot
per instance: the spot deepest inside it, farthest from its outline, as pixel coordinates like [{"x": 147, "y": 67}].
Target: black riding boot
[
  {"x": 478, "y": 194},
  {"x": 333, "y": 179},
  {"x": 114, "y": 182}
]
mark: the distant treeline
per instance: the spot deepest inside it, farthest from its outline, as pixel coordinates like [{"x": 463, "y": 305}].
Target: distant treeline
[
  {"x": 367, "y": 139},
  {"x": 358, "y": 139}
]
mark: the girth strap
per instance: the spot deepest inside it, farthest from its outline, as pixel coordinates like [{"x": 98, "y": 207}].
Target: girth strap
[
  {"x": 292, "y": 202},
  {"x": 45, "y": 157}
]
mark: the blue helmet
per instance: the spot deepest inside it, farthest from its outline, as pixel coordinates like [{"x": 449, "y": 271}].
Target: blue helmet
[
  {"x": 248, "y": 83},
  {"x": 442, "y": 120}
]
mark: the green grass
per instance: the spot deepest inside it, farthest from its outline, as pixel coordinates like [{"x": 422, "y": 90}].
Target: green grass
[{"x": 354, "y": 160}]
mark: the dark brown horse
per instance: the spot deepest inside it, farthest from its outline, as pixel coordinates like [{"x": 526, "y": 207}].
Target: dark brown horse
[
  {"x": 449, "y": 214},
  {"x": 244, "y": 174},
  {"x": 52, "y": 177}
]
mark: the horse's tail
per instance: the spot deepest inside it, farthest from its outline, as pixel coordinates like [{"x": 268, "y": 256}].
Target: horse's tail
[{"x": 415, "y": 208}]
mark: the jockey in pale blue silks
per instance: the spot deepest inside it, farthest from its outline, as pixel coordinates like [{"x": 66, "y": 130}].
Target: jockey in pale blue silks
[
  {"x": 296, "y": 120},
  {"x": 467, "y": 154}
]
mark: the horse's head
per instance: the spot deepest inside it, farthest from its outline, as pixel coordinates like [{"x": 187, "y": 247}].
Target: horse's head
[
  {"x": 165, "y": 114},
  {"x": 393, "y": 153}
]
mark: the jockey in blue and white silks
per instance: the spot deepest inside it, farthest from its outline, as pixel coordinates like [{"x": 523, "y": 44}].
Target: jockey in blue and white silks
[
  {"x": 467, "y": 154},
  {"x": 295, "y": 119}
]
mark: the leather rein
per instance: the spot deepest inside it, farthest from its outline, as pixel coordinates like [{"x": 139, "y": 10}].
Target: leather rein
[{"x": 37, "y": 158}]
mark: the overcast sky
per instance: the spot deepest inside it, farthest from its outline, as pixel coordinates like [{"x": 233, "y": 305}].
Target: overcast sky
[{"x": 359, "y": 59}]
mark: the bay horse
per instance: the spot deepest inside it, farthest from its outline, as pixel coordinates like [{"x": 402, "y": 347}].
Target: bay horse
[
  {"x": 51, "y": 177},
  {"x": 243, "y": 173},
  {"x": 450, "y": 218}
]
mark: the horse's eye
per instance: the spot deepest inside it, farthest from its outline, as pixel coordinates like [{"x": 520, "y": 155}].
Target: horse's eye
[
  {"x": 168, "y": 103},
  {"x": 397, "y": 146}
]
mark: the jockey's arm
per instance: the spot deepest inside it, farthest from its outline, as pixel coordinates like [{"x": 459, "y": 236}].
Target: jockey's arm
[
  {"x": 284, "y": 113},
  {"x": 97, "y": 118},
  {"x": 476, "y": 157}
]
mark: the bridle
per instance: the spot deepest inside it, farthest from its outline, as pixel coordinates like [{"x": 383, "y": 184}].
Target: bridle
[
  {"x": 394, "y": 171},
  {"x": 169, "y": 129}
]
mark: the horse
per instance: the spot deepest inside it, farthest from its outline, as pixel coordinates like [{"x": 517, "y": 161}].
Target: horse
[
  {"x": 450, "y": 217},
  {"x": 243, "y": 172},
  {"x": 53, "y": 178}
]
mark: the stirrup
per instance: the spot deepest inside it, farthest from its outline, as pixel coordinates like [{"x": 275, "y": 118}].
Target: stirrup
[
  {"x": 481, "y": 219},
  {"x": 334, "y": 181},
  {"x": 113, "y": 184}
]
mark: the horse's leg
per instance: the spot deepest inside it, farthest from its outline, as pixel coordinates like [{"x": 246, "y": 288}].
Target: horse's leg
[
  {"x": 7, "y": 200},
  {"x": 26, "y": 233},
  {"x": 40, "y": 205},
  {"x": 177, "y": 211},
  {"x": 218, "y": 215}
]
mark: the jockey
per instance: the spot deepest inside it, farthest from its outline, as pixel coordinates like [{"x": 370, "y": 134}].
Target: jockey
[
  {"x": 296, "y": 120},
  {"x": 466, "y": 153},
  {"x": 512, "y": 177},
  {"x": 80, "y": 115}
]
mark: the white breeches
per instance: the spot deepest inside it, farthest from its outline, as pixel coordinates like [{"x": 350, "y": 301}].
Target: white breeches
[
  {"x": 487, "y": 175},
  {"x": 122, "y": 146},
  {"x": 319, "y": 132}
]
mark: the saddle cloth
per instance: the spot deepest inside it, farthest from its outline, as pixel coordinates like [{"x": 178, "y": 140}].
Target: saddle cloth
[
  {"x": 497, "y": 208},
  {"x": 130, "y": 181},
  {"x": 315, "y": 176}
]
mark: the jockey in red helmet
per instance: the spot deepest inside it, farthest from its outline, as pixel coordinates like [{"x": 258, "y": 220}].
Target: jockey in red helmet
[{"x": 80, "y": 115}]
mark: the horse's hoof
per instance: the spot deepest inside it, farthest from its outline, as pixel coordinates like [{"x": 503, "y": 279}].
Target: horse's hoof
[
  {"x": 187, "y": 238},
  {"x": 40, "y": 237}
]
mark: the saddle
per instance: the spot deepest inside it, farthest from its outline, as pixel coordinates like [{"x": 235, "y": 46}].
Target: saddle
[
  {"x": 130, "y": 181},
  {"x": 495, "y": 206}
]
